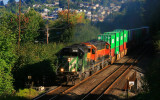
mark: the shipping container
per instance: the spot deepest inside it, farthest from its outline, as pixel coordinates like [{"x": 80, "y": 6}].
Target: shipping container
[
  {"x": 125, "y": 45},
  {"x": 101, "y": 37},
  {"x": 121, "y": 48},
  {"x": 110, "y": 38},
  {"x": 121, "y": 35},
  {"x": 112, "y": 52},
  {"x": 125, "y": 35},
  {"x": 117, "y": 42}
]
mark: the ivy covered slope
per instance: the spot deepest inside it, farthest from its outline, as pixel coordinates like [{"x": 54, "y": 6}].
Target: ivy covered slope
[{"x": 7, "y": 55}]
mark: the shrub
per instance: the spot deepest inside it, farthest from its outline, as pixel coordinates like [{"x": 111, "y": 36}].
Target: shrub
[
  {"x": 37, "y": 60},
  {"x": 27, "y": 93}
]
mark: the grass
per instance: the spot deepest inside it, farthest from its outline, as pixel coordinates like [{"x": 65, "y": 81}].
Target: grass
[{"x": 25, "y": 94}]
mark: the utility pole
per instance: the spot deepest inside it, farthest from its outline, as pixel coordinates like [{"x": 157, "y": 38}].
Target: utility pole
[
  {"x": 47, "y": 27},
  {"x": 91, "y": 11},
  {"x": 19, "y": 23},
  {"x": 68, "y": 12},
  {"x": 47, "y": 33}
]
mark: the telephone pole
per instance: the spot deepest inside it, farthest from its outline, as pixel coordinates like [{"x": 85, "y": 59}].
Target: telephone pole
[
  {"x": 47, "y": 27},
  {"x": 47, "y": 33},
  {"x": 68, "y": 12},
  {"x": 19, "y": 24}
]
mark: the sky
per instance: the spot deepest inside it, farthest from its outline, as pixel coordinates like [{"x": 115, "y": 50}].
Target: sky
[{"x": 5, "y": 1}]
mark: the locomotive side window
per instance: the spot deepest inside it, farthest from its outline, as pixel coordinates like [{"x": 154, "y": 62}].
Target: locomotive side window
[
  {"x": 93, "y": 51},
  {"x": 107, "y": 46},
  {"x": 89, "y": 50}
]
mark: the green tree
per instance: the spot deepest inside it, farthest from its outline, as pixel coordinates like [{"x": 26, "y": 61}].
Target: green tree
[
  {"x": 12, "y": 6},
  {"x": 63, "y": 31},
  {"x": 30, "y": 2},
  {"x": 7, "y": 55},
  {"x": 31, "y": 23},
  {"x": 63, "y": 3}
]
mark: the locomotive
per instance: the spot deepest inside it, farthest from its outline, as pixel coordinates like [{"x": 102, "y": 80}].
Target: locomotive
[{"x": 82, "y": 60}]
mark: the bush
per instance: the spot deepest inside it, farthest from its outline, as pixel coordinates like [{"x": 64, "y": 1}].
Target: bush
[
  {"x": 27, "y": 93},
  {"x": 24, "y": 94},
  {"x": 37, "y": 60}
]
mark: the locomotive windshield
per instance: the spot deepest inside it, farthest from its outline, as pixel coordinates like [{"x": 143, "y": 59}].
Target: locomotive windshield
[
  {"x": 74, "y": 50},
  {"x": 70, "y": 52}
]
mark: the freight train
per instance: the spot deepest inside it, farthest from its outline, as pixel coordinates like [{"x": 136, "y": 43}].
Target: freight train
[{"x": 82, "y": 60}]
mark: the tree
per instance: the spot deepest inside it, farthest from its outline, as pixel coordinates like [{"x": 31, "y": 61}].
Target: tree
[
  {"x": 7, "y": 55},
  {"x": 63, "y": 31},
  {"x": 12, "y": 6},
  {"x": 63, "y": 3},
  {"x": 31, "y": 23},
  {"x": 30, "y": 2}
]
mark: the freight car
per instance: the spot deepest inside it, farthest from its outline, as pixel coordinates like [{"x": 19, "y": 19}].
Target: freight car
[{"x": 81, "y": 60}]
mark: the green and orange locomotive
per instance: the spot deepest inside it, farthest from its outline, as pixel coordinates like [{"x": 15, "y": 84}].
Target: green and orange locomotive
[{"x": 82, "y": 60}]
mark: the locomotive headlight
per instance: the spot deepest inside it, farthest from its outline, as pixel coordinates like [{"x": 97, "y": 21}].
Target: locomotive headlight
[
  {"x": 69, "y": 59},
  {"x": 73, "y": 70},
  {"x": 62, "y": 69}
]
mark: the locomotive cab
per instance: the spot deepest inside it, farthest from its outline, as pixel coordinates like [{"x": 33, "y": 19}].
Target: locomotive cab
[{"x": 72, "y": 61}]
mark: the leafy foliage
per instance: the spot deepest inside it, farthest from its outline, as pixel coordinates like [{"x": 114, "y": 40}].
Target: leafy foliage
[
  {"x": 12, "y": 6},
  {"x": 63, "y": 3},
  {"x": 37, "y": 60},
  {"x": 32, "y": 22},
  {"x": 27, "y": 93},
  {"x": 7, "y": 56},
  {"x": 63, "y": 31}
]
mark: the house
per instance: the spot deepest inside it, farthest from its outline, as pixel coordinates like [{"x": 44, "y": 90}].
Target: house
[
  {"x": 103, "y": 12},
  {"x": 97, "y": 5},
  {"x": 81, "y": 5},
  {"x": 56, "y": 3},
  {"x": 49, "y": 5},
  {"x": 36, "y": 5},
  {"x": 46, "y": 10},
  {"x": 94, "y": 7}
]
